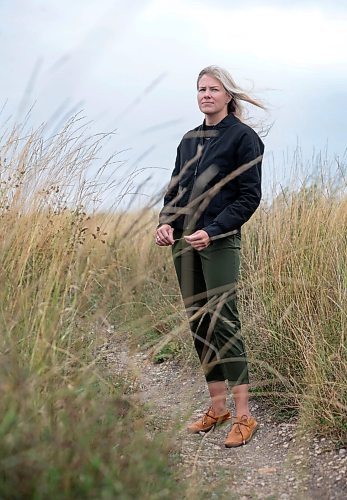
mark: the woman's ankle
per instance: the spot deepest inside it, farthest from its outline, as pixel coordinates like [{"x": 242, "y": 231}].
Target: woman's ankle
[{"x": 219, "y": 409}]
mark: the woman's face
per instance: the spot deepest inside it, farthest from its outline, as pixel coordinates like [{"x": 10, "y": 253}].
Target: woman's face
[{"x": 212, "y": 97}]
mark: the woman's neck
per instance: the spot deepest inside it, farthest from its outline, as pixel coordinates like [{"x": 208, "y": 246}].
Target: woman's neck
[{"x": 214, "y": 119}]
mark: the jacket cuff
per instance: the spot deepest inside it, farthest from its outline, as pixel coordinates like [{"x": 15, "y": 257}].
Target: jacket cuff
[{"x": 213, "y": 229}]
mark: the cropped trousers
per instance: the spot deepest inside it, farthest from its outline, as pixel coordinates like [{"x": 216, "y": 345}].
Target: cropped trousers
[{"x": 208, "y": 283}]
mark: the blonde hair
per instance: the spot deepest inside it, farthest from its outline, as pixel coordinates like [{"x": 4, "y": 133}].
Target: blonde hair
[{"x": 236, "y": 93}]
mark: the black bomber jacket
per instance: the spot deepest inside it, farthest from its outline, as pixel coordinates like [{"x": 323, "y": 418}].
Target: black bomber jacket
[{"x": 206, "y": 190}]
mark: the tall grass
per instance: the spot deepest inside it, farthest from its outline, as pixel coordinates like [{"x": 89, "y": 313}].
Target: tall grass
[
  {"x": 69, "y": 270},
  {"x": 68, "y": 428},
  {"x": 295, "y": 303},
  {"x": 293, "y": 299}
]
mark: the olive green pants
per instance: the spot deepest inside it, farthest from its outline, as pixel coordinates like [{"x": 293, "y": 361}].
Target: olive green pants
[{"x": 208, "y": 283}]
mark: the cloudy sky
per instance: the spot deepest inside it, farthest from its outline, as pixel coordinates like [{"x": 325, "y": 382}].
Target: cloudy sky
[{"x": 132, "y": 67}]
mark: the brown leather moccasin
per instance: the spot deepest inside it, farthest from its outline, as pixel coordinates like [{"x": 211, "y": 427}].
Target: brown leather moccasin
[
  {"x": 208, "y": 420},
  {"x": 241, "y": 432}
]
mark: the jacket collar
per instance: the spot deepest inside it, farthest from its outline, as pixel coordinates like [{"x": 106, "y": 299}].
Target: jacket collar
[{"x": 230, "y": 119}]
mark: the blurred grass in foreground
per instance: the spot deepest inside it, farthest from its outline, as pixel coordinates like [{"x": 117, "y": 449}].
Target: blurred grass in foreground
[{"x": 68, "y": 427}]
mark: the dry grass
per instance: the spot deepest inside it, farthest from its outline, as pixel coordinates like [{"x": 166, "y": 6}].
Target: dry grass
[
  {"x": 68, "y": 270},
  {"x": 68, "y": 428},
  {"x": 293, "y": 297},
  {"x": 295, "y": 303}
]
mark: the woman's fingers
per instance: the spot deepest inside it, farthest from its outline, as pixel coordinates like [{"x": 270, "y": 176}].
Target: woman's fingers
[
  {"x": 199, "y": 240},
  {"x": 164, "y": 235}
]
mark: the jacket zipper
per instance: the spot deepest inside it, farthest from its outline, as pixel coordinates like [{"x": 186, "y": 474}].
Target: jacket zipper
[
  {"x": 205, "y": 145},
  {"x": 196, "y": 167}
]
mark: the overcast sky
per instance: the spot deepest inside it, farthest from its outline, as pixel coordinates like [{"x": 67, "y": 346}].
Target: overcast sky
[{"x": 133, "y": 66}]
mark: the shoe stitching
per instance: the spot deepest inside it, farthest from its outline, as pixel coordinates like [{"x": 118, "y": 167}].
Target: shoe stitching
[
  {"x": 207, "y": 414},
  {"x": 239, "y": 423}
]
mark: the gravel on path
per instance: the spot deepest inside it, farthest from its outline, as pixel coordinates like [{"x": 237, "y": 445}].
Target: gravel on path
[{"x": 280, "y": 462}]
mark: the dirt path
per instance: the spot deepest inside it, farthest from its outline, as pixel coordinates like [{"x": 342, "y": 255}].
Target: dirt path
[{"x": 277, "y": 464}]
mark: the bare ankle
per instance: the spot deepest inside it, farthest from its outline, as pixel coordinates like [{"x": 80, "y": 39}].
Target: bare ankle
[
  {"x": 244, "y": 414},
  {"x": 219, "y": 409}
]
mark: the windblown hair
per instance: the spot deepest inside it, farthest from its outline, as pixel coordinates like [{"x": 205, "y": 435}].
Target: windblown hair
[{"x": 236, "y": 93}]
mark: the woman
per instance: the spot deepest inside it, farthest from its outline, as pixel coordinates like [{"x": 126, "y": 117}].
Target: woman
[{"x": 215, "y": 188}]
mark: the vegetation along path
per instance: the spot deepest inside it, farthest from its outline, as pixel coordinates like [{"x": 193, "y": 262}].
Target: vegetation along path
[{"x": 281, "y": 462}]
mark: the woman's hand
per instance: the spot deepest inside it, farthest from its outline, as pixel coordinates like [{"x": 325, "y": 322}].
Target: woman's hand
[
  {"x": 199, "y": 240},
  {"x": 164, "y": 236}
]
